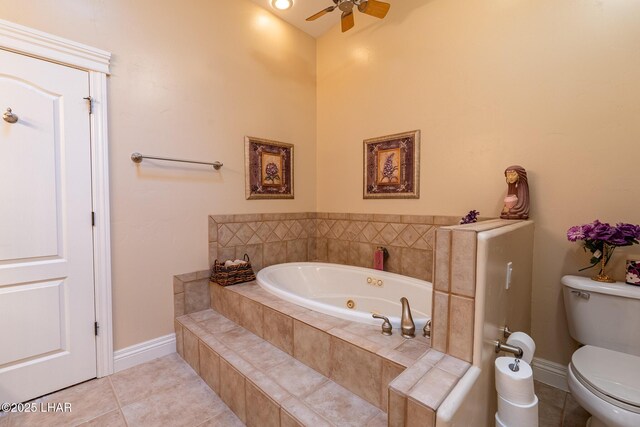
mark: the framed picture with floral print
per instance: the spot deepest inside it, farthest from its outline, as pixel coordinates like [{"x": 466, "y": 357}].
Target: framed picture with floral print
[
  {"x": 392, "y": 166},
  {"x": 268, "y": 169}
]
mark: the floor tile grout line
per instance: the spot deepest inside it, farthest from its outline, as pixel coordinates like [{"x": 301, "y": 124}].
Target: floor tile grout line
[
  {"x": 564, "y": 408},
  {"x": 380, "y": 411},
  {"x": 318, "y": 387},
  {"x": 113, "y": 389}
]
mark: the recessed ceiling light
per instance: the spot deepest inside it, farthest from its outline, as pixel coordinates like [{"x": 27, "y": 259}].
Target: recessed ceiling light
[{"x": 281, "y": 4}]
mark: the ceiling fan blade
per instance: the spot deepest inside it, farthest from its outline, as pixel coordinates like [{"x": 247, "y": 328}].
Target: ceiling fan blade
[
  {"x": 321, "y": 13},
  {"x": 347, "y": 21},
  {"x": 375, "y": 8}
]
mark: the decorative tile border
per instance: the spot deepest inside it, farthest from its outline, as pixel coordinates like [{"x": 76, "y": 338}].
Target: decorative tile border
[{"x": 342, "y": 238}]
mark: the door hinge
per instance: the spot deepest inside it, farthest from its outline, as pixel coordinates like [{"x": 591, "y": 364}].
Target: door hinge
[
  {"x": 93, "y": 219},
  {"x": 90, "y": 101},
  {"x": 96, "y": 327}
]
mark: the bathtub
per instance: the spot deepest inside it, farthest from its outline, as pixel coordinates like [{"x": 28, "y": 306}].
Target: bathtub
[{"x": 351, "y": 293}]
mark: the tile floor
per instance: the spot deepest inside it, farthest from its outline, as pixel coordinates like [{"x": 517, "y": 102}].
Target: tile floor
[
  {"x": 558, "y": 408},
  {"x": 167, "y": 392},
  {"x": 163, "y": 392}
]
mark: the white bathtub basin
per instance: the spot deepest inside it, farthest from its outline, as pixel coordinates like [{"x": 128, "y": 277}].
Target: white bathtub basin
[{"x": 328, "y": 288}]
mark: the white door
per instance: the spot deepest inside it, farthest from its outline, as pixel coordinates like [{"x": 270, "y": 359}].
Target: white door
[{"x": 46, "y": 251}]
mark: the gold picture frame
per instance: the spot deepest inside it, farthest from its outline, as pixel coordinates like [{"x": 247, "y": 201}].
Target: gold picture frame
[
  {"x": 392, "y": 166},
  {"x": 268, "y": 169}
]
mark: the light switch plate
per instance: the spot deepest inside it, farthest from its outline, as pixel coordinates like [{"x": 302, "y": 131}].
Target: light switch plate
[{"x": 509, "y": 271}]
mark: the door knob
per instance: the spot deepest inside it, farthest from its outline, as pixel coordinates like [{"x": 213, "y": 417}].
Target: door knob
[{"x": 9, "y": 117}]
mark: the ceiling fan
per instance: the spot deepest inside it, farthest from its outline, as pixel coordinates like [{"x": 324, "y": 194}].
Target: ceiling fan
[{"x": 370, "y": 7}]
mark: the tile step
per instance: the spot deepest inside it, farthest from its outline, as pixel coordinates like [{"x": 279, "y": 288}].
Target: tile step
[{"x": 263, "y": 385}]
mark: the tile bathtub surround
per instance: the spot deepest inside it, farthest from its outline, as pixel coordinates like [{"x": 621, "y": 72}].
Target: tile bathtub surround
[
  {"x": 265, "y": 386},
  {"x": 354, "y": 355},
  {"x": 267, "y": 238},
  {"x": 454, "y": 282},
  {"x": 333, "y": 347},
  {"x": 340, "y": 238},
  {"x": 191, "y": 292},
  {"x": 416, "y": 394}
]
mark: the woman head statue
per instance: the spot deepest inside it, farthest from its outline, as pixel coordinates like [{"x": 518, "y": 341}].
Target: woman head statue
[{"x": 518, "y": 186}]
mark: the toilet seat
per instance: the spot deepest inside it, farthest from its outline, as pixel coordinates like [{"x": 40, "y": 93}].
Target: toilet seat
[{"x": 610, "y": 375}]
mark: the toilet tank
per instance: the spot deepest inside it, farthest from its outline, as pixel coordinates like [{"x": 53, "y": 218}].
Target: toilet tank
[{"x": 603, "y": 314}]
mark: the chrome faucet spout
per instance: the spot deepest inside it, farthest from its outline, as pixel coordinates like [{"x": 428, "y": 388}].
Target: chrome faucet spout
[{"x": 407, "y": 327}]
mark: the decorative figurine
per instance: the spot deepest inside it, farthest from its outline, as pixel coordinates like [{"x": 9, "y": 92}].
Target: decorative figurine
[{"x": 516, "y": 204}]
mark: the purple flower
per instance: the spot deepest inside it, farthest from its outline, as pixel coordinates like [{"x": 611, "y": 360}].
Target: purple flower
[
  {"x": 271, "y": 170},
  {"x": 618, "y": 239},
  {"x": 601, "y": 231},
  {"x": 602, "y": 238},
  {"x": 588, "y": 228},
  {"x": 575, "y": 233},
  {"x": 388, "y": 170},
  {"x": 629, "y": 231},
  {"x": 470, "y": 218}
]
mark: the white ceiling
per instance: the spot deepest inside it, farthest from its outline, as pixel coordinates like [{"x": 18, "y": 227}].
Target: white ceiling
[{"x": 301, "y": 10}]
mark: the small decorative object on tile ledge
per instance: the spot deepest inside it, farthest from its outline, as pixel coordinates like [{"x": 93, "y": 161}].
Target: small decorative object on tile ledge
[
  {"x": 516, "y": 203},
  {"x": 601, "y": 239},
  {"x": 470, "y": 218},
  {"x": 232, "y": 272},
  {"x": 633, "y": 272}
]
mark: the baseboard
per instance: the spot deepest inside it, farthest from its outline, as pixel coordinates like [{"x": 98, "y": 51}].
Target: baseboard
[
  {"x": 550, "y": 373},
  {"x": 143, "y": 352}
]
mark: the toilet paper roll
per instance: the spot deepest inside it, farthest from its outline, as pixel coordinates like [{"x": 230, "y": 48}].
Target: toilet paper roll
[
  {"x": 499, "y": 422},
  {"x": 516, "y": 387},
  {"x": 525, "y": 342},
  {"x": 514, "y": 415}
]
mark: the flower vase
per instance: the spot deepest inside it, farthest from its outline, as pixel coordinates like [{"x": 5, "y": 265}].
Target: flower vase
[{"x": 602, "y": 276}]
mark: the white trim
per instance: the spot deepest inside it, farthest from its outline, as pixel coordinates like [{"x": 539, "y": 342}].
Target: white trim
[
  {"x": 52, "y": 48},
  {"x": 102, "y": 229},
  {"x": 457, "y": 397},
  {"x": 550, "y": 373},
  {"x": 144, "y": 352},
  {"x": 27, "y": 41}
]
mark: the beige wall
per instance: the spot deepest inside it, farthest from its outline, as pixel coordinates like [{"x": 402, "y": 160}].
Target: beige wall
[
  {"x": 549, "y": 84},
  {"x": 190, "y": 80}
]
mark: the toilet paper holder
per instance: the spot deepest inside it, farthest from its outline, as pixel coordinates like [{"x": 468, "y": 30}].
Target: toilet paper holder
[
  {"x": 506, "y": 331},
  {"x": 515, "y": 350}
]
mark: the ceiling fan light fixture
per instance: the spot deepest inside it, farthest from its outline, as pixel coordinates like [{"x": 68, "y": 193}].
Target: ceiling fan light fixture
[
  {"x": 281, "y": 4},
  {"x": 376, "y": 8}
]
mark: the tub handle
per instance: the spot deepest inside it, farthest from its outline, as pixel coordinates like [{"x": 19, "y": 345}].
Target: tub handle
[
  {"x": 426, "y": 331},
  {"x": 386, "y": 325}
]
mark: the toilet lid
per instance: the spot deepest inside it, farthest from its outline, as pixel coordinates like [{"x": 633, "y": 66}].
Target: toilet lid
[{"x": 612, "y": 373}]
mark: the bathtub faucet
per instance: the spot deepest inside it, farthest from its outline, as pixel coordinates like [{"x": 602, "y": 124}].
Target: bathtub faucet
[{"x": 407, "y": 327}]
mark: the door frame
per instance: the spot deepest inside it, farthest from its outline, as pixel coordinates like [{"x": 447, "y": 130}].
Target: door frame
[{"x": 30, "y": 42}]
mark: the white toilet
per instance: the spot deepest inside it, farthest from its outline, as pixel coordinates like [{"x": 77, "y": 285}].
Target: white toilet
[{"x": 604, "y": 374}]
